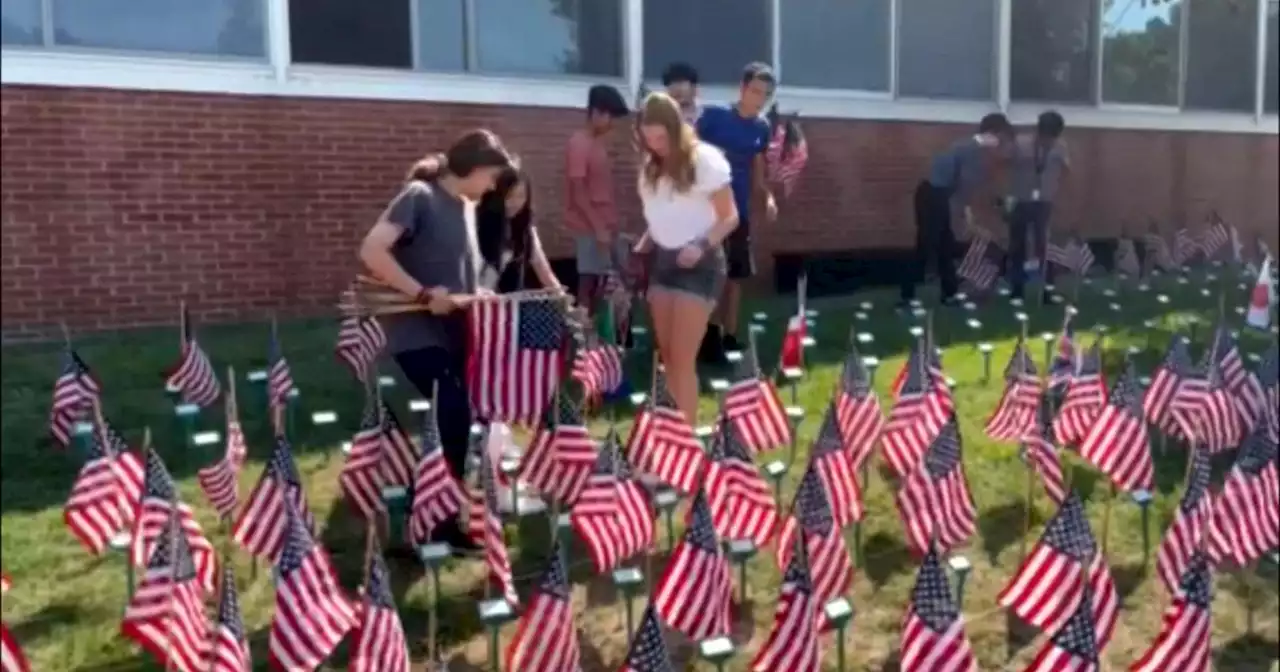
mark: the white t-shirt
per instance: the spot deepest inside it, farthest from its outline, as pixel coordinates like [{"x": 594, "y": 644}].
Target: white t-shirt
[{"x": 676, "y": 219}]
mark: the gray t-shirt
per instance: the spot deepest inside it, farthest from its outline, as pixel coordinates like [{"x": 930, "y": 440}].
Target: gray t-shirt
[
  {"x": 438, "y": 249},
  {"x": 959, "y": 170},
  {"x": 1037, "y": 171}
]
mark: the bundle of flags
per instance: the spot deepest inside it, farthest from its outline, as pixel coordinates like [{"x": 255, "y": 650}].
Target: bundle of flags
[{"x": 515, "y": 357}]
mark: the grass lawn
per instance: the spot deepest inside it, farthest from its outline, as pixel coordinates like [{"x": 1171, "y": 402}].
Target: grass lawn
[{"x": 65, "y": 605}]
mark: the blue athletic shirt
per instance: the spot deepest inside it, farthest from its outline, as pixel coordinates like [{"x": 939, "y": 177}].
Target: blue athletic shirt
[{"x": 741, "y": 139}]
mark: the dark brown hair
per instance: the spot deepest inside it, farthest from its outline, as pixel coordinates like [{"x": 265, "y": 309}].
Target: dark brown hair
[{"x": 479, "y": 148}]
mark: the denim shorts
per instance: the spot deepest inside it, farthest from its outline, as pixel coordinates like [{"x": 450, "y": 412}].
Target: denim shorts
[{"x": 705, "y": 280}]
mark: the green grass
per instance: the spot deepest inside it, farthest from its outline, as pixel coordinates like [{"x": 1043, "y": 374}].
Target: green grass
[{"x": 65, "y": 605}]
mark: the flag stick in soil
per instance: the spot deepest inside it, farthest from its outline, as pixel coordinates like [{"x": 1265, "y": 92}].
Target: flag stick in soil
[{"x": 1029, "y": 502}]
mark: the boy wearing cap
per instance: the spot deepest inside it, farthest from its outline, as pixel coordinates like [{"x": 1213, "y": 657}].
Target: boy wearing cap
[{"x": 591, "y": 212}]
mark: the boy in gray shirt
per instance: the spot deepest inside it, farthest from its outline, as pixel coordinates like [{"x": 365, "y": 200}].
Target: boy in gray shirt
[{"x": 1040, "y": 163}]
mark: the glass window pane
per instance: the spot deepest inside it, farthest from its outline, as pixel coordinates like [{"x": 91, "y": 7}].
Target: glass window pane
[
  {"x": 581, "y": 37},
  {"x": 370, "y": 33},
  {"x": 20, "y": 22},
  {"x": 225, "y": 27},
  {"x": 1222, "y": 41},
  {"x": 718, "y": 37},
  {"x": 1140, "y": 52},
  {"x": 1054, "y": 46},
  {"x": 1271, "y": 101},
  {"x": 442, "y": 42},
  {"x": 960, "y": 34},
  {"x": 836, "y": 44}
]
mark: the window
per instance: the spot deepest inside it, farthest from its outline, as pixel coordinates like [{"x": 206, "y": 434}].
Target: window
[
  {"x": 836, "y": 44},
  {"x": 718, "y": 37},
  {"x": 20, "y": 22},
  {"x": 960, "y": 34},
  {"x": 1141, "y": 51},
  {"x": 1271, "y": 97},
  {"x": 502, "y": 37},
  {"x": 207, "y": 27},
  {"x": 1053, "y": 51},
  {"x": 1222, "y": 52}
]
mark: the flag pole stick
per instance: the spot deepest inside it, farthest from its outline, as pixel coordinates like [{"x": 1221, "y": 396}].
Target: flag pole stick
[
  {"x": 66, "y": 334},
  {"x": 219, "y": 586},
  {"x": 1029, "y": 501},
  {"x": 173, "y": 530},
  {"x": 653, "y": 391},
  {"x": 433, "y": 616},
  {"x": 1111, "y": 496}
]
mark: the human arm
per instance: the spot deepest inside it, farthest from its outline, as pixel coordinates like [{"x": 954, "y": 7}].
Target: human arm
[
  {"x": 538, "y": 259},
  {"x": 760, "y": 185},
  {"x": 402, "y": 218},
  {"x": 714, "y": 182}
]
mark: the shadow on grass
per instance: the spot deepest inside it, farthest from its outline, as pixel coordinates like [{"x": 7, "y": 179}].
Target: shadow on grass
[
  {"x": 1128, "y": 578},
  {"x": 1249, "y": 652},
  {"x": 1020, "y": 634},
  {"x": 893, "y": 663},
  {"x": 1003, "y": 526},
  {"x": 885, "y": 556},
  {"x": 40, "y": 624}
]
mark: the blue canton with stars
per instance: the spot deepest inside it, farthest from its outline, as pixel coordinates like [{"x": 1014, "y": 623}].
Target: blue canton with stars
[
  {"x": 431, "y": 440},
  {"x": 1020, "y": 363},
  {"x": 701, "y": 534},
  {"x": 1091, "y": 361},
  {"x": 1127, "y": 395},
  {"x": 931, "y": 597},
  {"x": 607, "y": 458},
  {"x": 107, "y": 441},
  {"x": 539, "y": 325},
  {"x": 727, "y": 444},
  {"x": 369, "y": 418},
  {"x": 1269, "y": 368},
  {"x": 1256, "y": 451},
  {"x": 229, "y": 605},
  {"x": 828, "y": 440},
  {"x": 159, "y": 482},
  {"x": 662, "y": 393},
  {"x": 944, "y": 453},
  {"x": 797, "y": 574},
  {"x": 917, "y": 377},
  {"x": 1196, "y": 586},
  {"x": 378, "y": 590},
  {"x": 1177, "y": 359},
  {"x": 749, "y": 367},
  {"x": 1068, "y": 531},
  {"x": 1078, "y": 635},
  {"x": 555, "y": 579},
  {"x": 648, "y": 652},
  {"x": 1221, "y": 346},
  {"x": 297, "y": 542},
  {"x": 854, "y": 381},
  {"x": 282, "y": 467},
  {"x": 812, "y": 510},
  {"x": 1197, "y": 480},
  {"x": 173, "y": 552}
]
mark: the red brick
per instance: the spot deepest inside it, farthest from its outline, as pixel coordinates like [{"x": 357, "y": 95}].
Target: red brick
[{"x": 108, "y": 196}]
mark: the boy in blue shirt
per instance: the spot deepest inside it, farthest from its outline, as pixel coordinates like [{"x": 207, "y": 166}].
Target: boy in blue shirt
[{"x": 742, "y": 133}]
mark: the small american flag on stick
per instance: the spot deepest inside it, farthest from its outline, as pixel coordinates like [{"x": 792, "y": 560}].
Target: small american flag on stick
[
  {"x": 221, "y": 480},
  {"x": 360, "y": 340},
  {"x": 1248, "y": 395},
  {"x": 1207, "y": 412},
  {"x": 1040, "y": 453},
  {"x": 1127, "y": 257},
  {"x": 933, "y": 636},
  {"x": 1017, "y": 407},
  {"x": 362, "y": 478},
  {"x": 1183, "y": 643},
  {"x": 279, "y": 378},
  {"x": 378, "y": 643},
  {"x": 662, "y": 442},
  {"x": 1064, "y": 364},
  {"x": 1245, "y": 522},
  {"x": 614, "y": 515},
  {"x": 515, "y": 358},
  {"x": 102, "y": 498},
  {"x": 858, "y": 411},
  {"x": 742, "y": 506},
  {"x": 1085, "y": 397},
  {"x": 792, "y": 645},
  {"x": 788, "y": 152},
  {"x": 1156, "y": 250},
  {"x": 1171, "y": 383},
  {"x": 262, "y": 525},
  {"x": 75, "y": 393},
  {"x": 839, "y": 478},
  {"x": 828, "y": 556},
  {"x": 977, "y": 267},
  {"x": 1186, "y": 247},
  {"x": 229, "y": 644},
  {"x": 166, "y": 615},
  {"x": 193, "y": 377},
  {"x": 648, "y": 651},
  {"x": 1187, "y": 533},
  {"x": 312, "y": 612},
  {"x": 752, "y": 403},
  {"x": 922, "y": 408},
  {"x": 1075, "y": 645},
  {"x": 934, "y": 502},
  {"x": 437, "y": 494},
  {"x": 546, "y": 638},
  {"x": 484, "y": 524},
  {"x": 598, "y": 367},
  {"x": 160, "y": 502},
  {"x": 1216, "y": 237},
  {"x": 562, "y": 454},
  {"x": 12, "y": 659},
  {"x": 1119, "y": 444},
  {"x": 400, "y": 455},
  {"x": 694, "y": 592}
]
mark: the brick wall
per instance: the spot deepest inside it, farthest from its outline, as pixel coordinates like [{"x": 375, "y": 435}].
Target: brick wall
[{"x": 117, "y": 204}]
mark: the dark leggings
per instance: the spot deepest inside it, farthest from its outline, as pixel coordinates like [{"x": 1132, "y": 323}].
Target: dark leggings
[
  {"x": 1028, "y": 217},
  {"x": 431, "y": 367},
  {"x": 934, "y": 240}
]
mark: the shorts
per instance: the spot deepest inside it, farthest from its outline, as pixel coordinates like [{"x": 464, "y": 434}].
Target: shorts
[
  {"x": 594, "y": 261},
  {"x": 704, "y": 281},
  {"x": 737, "y": 249}
]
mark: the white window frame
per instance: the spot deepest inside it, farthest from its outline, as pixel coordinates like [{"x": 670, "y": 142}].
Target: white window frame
[{"x": 277, "y": 76}]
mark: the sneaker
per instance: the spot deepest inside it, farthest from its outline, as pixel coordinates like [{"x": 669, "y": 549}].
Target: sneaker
[
  {"x": 950, "y": 302},
  {"x": 712, "y": 350},
  {"x": 731, "y": 343}
]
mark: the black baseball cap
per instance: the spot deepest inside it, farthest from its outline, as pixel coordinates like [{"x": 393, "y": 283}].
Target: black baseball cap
[{"x": 607, "y": 99}]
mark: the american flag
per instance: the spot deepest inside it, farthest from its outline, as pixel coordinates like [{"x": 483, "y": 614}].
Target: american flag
[
  {"x": 1063, "y": 367},
  {"x": 791, "y": 351},
  {"x": 977, "y": 267},
  {"x": 262, "y": 525},
  {"x": 922, "y": 408},
  {"x": 159, "y": 501},
  {"x": 193, "y": 376},
  {"x": 221, "y": 480},
  {"x": 312, "y": 612},
  {"x": 1075, "y": 645},
  {"x": 793, "y": 644},
  {"x": 1209, "y": 413},
  {"x": 694, "y": 591},
  {"x": 1127, "y": 257},
  {"x": 1183, "y": 642},
  {"x": 1185, "y": 247},
  {"x": 1249, "y": 397},
  {"x": 1017, "y": 408},
  {"x": 546, "y": 638},
  {"x": 1076, "y": 256},
  {"x": 1084, "y": 400},
  {"x": 1173, "y": 382},
  {"x": 1246, "y": 518},
  {"x": 1216, "y": 237},
  {"x": 437, "y": 494},
  {"x": 75, "y": 393},
  {"x": 787, "y": 155},
  {"x": 515, "y": 359},
  {"x": 562, "y": 454},
  {"x": 229, "y": 644},
  {"x": 1040, "y": 453},
  {"x": 1119, "y": 444},
  {"x": 752, "y": 403},
  {"x": 662, "y": 442},
  {"x": 378, "y": 643},
  {"x": 362, "y": 477},
  {"x": 648, "y": 650},
  {"x": 598, "y": 368},
  {"x": 1156, "y": 250},
  {"x": 1269, "y": 380},
  {"x": 401, "y": 455},
  {"x": 934, "y": 501},
  {"x": 279, "y": 378},
  {"x": 166, "y": 615},
  {"x": 12, "y": 659},
  {"x": 742, "y": 506},
  {"x": 933, "y": 635},
  {"x": 614, "y": 516},
  {"x": 829, "y": 562},
  {"x": 839, "y": 478},
  {"x": 102, "y": 498},
  {"x": 858, "y": 411},
  {"x": 484, "y": 524},
  {"x": 360, "y": 340},
  {"x": 1186, "y": 534},
  {"x": 931, "y": 355},
  {"x": 1054, "y": 577}
]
